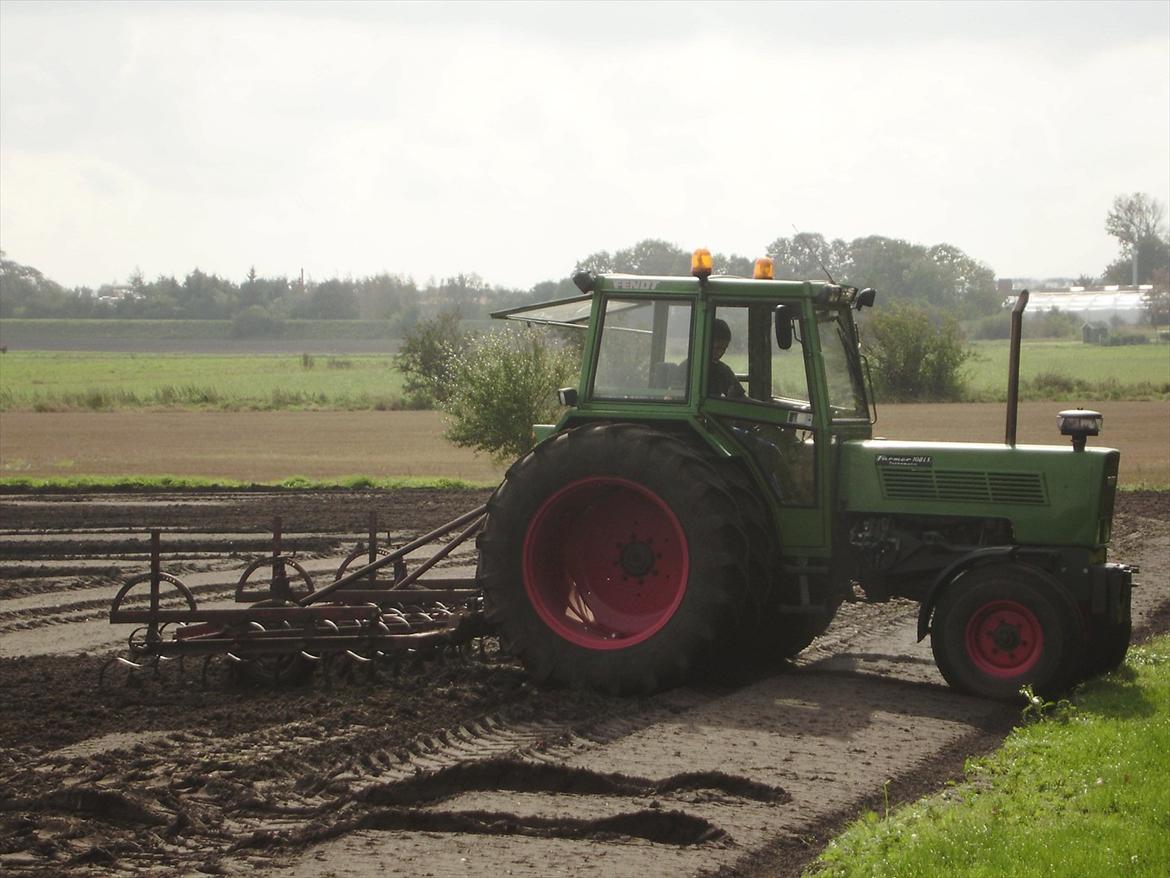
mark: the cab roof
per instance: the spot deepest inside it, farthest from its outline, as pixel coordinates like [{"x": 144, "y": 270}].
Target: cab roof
[{"x": 575, "y": 311}]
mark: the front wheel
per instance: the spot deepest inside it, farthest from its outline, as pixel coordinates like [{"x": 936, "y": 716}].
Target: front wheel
[{"x": 997, "y": 629}]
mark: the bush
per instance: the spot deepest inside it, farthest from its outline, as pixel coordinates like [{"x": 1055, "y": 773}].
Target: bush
[
  {"x": 1053, "y": 385},
  {"x": 428, "y": 349},
  {"x": 1127, "y": 339},
  {"x": 993, "y": 326},
  {"x": 501, "y": 386},
  {"x": 915, "y": 354},
  {"x": 1052, "y": 324}
]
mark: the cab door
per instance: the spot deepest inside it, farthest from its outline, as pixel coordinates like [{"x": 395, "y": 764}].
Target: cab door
[{"x": 780, "y": 425}]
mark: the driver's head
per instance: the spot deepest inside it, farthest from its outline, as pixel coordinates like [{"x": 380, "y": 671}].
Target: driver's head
[{"x": 720, "y": 338}]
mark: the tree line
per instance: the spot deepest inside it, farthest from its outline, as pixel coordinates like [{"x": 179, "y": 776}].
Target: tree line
[
  {"x": 937, "y": 276},
  {"x": 940, "y": 275}
]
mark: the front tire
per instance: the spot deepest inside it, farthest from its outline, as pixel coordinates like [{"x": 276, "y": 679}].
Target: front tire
[
  {"x": 612, "y": 558},
  {"x": 997, "y": 629}
]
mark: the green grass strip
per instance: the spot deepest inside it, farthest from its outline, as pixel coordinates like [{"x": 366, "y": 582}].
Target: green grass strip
[
  {"x": 1081, "y": 789},
  {"x": 184, "y": 483}
]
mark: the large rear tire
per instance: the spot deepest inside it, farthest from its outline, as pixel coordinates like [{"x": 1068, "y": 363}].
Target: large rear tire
[
  {"x": 613, "y": 558},
  {"x": 997, "y": 629},
  {"x": 773, "y": 633}
]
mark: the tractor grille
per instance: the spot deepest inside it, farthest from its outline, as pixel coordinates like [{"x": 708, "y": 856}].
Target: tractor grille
[{"x": 962, "y": 486}]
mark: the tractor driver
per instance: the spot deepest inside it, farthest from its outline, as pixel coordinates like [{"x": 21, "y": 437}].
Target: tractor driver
[{"x": 721, "y": 380}]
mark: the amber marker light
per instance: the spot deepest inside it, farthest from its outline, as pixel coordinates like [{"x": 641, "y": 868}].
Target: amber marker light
[
  {"x": 764, "y": 269},
  {"x": 701, "y": 263}
]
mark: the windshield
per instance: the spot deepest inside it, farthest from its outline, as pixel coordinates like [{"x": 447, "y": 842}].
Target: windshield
[{"x": 842, "y": 367}]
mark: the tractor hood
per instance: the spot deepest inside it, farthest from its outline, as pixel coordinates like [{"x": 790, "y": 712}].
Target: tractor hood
[{"x": 1051, "y": 494}]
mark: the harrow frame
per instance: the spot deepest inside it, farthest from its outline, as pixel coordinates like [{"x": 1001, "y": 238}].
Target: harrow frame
[{"x": 358, "y": 614}]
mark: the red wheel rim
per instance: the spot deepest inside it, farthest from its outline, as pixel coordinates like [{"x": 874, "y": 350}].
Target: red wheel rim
[
  {"x": 605, "y": 563},
  {"x": 1004, "y": 639}
]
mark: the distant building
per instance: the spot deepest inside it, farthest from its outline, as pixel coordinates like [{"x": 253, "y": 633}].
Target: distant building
[{"x": 1094, "y": 304}]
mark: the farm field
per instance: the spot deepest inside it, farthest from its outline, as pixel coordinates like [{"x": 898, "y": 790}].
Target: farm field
[
  {"x": 450, "y": 765},
  {"x": 289, "y": 376},
  {"x": 1127, "y": 366},
  {"x": 54, "y": 381},
  {"x": 269, "y": 447}
]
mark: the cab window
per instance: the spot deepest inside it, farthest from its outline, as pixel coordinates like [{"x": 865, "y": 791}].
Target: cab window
[
  {"x": 642, "y": 351},
  {"x": 769, "y": 374}
]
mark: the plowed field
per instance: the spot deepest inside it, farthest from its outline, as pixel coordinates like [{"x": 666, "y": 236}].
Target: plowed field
[{"x": 451, "y": 766}]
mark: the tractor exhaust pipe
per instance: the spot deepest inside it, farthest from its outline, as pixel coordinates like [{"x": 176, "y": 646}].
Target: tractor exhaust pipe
[{"x": 1013, "y": 400}]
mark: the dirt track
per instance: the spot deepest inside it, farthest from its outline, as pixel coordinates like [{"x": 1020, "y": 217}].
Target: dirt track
[{"x": 450, "y": 767}]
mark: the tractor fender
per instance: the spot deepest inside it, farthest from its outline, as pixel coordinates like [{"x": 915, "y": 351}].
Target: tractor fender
[{"x": 978, "y": 558}]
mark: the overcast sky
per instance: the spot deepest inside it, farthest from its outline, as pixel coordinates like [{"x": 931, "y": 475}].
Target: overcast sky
[{"x": 511, "y": 139}]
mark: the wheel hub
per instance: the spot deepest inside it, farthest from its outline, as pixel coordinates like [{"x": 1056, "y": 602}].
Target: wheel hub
[
  {"x": 1006, "y": 636},
  {"x": 636, "y": 558}
]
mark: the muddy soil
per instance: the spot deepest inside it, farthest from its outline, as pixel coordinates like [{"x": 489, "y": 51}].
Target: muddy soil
[{"x": 447, "y": 765}]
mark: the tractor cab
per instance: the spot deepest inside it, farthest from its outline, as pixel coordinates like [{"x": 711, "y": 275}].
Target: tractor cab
[{"x": 765, "y": 371}]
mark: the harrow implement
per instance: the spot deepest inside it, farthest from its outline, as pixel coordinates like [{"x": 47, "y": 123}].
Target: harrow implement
[{"x": 291, "y": 624}]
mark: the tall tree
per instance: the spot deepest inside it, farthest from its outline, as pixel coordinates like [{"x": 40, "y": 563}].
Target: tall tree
[
  {"x": 649, "y": 256},
  {"x": 808, "y": 255},
  {"x": 25, "y": 292},
  {"x": 1136, "y": 221}
]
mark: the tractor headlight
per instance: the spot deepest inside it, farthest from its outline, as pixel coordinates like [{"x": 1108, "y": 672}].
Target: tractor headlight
[{"x": 1080, "y": 424}]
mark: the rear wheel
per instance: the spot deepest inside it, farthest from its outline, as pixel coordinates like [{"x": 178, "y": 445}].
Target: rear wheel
[
  {"x": 1000, "y": 628},
  {"x": 612, "y": 558}
]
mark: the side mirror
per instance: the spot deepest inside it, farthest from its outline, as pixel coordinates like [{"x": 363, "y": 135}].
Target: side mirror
[
  {"x": 865, "y": 298},
  {"x": 784, "y": 317}
]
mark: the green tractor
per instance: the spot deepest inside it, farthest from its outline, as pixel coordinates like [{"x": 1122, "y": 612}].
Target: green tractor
[{"x": 714, "y": 490}]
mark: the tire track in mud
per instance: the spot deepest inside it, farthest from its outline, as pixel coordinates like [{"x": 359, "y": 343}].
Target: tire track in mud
[{"x": 254, "y": 788}]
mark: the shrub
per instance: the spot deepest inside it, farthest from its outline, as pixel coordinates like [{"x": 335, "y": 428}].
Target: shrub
[
  {"x": 1040, "y": 324},
  {"x": 993, "y": 326},
  {"x": 915, "y": 354},
  {"x": 1126, "y": 339},
  {"x": 1053, "y": 385},
  {"x": 501, "y": 386},
  {"x": 1052, "y": 324},
  {"x": 424, "y": 359}
]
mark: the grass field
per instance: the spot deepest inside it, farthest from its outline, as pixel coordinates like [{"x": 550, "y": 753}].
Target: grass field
[
  {"x": 72, "y": 380},
  {"x": 1070, "y": 369},
  {"x": 15, "y": 331},
  {"x": 66, "y": 381},
  {"x": 1083, "y": 792}
]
